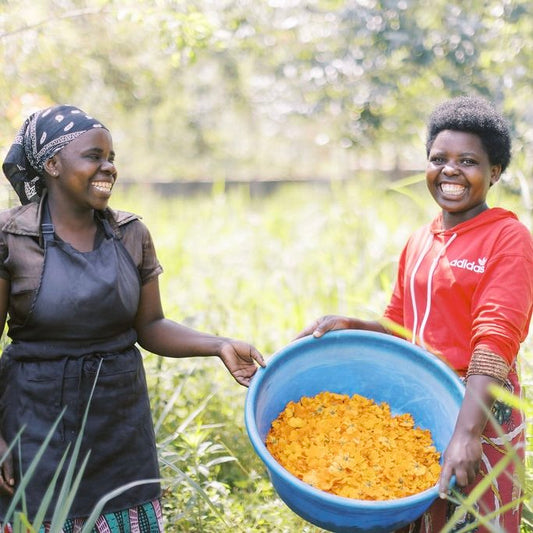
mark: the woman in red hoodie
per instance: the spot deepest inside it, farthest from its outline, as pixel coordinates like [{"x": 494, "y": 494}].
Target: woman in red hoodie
[{"x": 465, "y": 291}]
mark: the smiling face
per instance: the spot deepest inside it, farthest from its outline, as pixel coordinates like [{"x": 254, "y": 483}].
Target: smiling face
[
  {"x": 459, "y": 175},
  {"x": 83, "y": 172}
]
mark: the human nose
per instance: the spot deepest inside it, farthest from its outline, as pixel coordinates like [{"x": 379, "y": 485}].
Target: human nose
[
  {"x": 108, "y": 167},
  {"x": 450, "y": 169}
]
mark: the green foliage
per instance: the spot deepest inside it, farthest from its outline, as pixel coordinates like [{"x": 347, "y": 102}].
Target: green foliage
[{"x": 214, "y": 89}]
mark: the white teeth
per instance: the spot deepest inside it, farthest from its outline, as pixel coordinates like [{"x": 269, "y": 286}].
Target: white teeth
[
  {"x": 103, "y": 186},
  {"x": 452, "y": 189}
]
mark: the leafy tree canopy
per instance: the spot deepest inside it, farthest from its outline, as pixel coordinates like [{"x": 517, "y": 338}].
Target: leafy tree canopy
[{"x": 264, "y": 89}]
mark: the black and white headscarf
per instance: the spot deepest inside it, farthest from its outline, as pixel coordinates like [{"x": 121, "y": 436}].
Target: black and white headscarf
[{"x": 43, "y": 134}]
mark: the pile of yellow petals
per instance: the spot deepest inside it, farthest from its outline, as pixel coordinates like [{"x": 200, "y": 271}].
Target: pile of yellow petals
[{"x": 353, "y": 447}]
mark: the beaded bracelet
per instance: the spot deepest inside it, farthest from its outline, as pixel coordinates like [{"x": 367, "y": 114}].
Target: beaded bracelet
[{"x": 488, "y": 363}]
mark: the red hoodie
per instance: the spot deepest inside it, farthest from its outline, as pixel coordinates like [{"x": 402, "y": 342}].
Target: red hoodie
[{"x": 467, "y": 287}]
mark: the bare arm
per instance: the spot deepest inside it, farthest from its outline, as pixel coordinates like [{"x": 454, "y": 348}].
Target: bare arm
[
  {"x": 463, "y": 454},
  {"x": 7, "y": 481},
  {"x": 165, "y": 337}
]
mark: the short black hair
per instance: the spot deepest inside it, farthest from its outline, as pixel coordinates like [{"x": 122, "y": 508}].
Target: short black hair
[{"x": 476, "y": 115}]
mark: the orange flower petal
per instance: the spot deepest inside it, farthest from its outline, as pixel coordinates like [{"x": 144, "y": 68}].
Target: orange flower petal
[{"x": 353, "y": 447}]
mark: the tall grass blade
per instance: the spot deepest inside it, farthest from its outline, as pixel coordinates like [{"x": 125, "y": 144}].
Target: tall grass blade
[
  {"x": 12, "y": 444},
  {"x": 43, "y": 507},
  {"x": 63, "y": 506},
  {"x": 402, "y": 187},
  {"x": 25, "y": 479},
  {"x": 69, "y": 488},
  {"x": 25, "y": 523}
]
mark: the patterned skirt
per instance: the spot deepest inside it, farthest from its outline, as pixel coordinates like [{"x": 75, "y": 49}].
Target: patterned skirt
[
  {"x": 503, "y": 497},
  {"x": 146, "y": 518}
]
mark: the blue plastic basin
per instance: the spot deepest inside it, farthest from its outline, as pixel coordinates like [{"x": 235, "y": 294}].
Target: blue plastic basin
[{"x": 375, "y": 365}]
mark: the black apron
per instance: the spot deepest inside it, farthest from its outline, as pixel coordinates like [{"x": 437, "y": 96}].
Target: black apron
[{"x": 81, "y": 323}]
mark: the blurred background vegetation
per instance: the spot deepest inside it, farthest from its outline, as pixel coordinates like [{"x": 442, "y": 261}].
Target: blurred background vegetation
[
  {"x": 333, "y": 94},
  {"x": 265, "y": 89}
]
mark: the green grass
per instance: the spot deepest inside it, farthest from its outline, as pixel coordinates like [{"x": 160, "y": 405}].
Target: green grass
[{"x": 260, "y": 269}]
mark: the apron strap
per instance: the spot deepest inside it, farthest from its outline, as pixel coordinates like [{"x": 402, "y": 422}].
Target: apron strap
[
  {"x": 109, "y": 233},
  {"x": 47, "y": 227}
]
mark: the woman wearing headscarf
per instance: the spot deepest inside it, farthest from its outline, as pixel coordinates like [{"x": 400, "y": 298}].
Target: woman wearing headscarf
[{"x": 79, "y": 283}]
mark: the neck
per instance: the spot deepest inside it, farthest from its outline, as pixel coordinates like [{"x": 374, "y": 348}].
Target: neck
[
  {"x": 77, "y": 227},
  {"x": 450, "y": 219},
  {"x": 70, "y": 216}
]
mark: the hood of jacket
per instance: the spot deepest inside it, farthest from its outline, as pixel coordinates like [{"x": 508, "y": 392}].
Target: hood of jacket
[{"x": 489, "y": 216}]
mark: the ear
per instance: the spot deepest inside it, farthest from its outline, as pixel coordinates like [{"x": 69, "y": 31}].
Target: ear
[
  {"x": 51, "y": 167},
  {"x": 495, "y": 173}
]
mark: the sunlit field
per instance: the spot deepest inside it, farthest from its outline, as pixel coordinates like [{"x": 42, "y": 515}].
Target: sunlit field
[{"x": 260, "y": 269}]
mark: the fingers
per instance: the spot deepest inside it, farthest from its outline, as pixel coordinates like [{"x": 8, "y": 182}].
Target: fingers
[
  {"x": 242, "y": 380},
  {"x": 257, "y": 357},
  {"x": 470, "y": 475},
  {"x": 7, "y": 480},
  {"x": 247, "y": 352},
  {"x": 463, "y": 477},
  {"x": 307, "y": 331},
  {"x": 444, "y": 482},
  {"x": 322, "y": 328},
  {"x": 317, "y": 328},
  {"x": 243, "y": 376},
  {"x": 325, "y": 324},
  {"x": 6, "y": 488},
  {"x": 241, "y": 351},
  {"x": 240, "y": 359}
]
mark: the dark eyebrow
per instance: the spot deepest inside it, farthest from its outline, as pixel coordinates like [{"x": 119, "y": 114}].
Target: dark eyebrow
[
  {"x": 463, "y": 154},
  {"x": 100, "y": 151}
]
